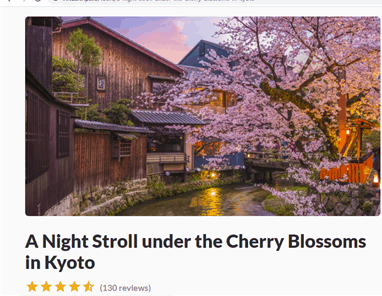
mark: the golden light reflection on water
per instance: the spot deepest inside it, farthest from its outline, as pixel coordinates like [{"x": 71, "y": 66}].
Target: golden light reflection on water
[{"x": 209, "y": 202}]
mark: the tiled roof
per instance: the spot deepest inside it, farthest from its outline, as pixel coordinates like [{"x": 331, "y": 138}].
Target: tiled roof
[
  {"x": 95, "y": 125},
  {"x": 219, "y": 46},
  {"x": 166, "y": 117},
  {"x": 191, "y": 70},
  {"x": 126, "y": 136}
]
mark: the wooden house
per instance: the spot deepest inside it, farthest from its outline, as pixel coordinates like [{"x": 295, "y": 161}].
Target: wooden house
[
  {"x": 167, "y": 149},
  {"x": 127, "y": 69},
  {"x": 209, "y": 148},
  {"x": 49, "y": 124},
  {"x": 105, "y": 154}
]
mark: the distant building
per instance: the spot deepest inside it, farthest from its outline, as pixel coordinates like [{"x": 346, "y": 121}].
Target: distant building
[
  {"x": 199, "y": 51},
  {"x": 167, "y": 149},
  {"x": 191, "y": 64}
]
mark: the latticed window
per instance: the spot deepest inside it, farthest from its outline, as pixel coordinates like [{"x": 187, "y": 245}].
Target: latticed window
[
  {"x": 125, "y": 149},
  {"x": 63, "y": 131},
  {"x": 36, "y": 137}
]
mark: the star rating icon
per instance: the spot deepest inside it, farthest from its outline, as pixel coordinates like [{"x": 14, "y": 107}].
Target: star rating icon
[
  {"x": 46, "y": 287},
  {"x": 32, "y": 287},
  {"x": 60, "y": 287},
  {"x": 88, "y": 287},
  {"x": 74, "y": 287}
]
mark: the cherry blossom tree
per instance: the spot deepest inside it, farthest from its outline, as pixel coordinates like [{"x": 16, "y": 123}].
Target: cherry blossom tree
[{"x": 287, "y": 74}]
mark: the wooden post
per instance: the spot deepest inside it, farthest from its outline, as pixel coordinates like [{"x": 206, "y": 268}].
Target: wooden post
[{"x": 342, "y": 114}]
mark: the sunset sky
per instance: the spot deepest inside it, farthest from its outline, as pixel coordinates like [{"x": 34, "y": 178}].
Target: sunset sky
[{"x": 169, "y": 37}]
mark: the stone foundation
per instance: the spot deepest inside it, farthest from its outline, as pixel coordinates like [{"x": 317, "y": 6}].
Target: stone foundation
[
  {"x": 63, "y": 208},
  {"x": 93, "y": 201},
  {"x": 368, "y": 205}
]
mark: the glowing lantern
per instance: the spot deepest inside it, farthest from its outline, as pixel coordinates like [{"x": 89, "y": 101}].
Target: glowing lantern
[
  {"x": 213, "y": 192},
  {"x": 248, "y": 155},
  {"x": 348, "y": 132},
  {"x": 376, "y": 180},
  {"x": 213, "y": 175}
]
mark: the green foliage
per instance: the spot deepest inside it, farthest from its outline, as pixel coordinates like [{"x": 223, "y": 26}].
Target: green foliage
[
  {"x": 90, "y": 113},
  {"x": 118, "y": 112},
  {"x": 84, "y": 49},
  {"x": 372, "y": 137},
  {"x": 278, "y": 206},
  {"x": 64, "y": 77},
  {"x": 366, "y": 207},
  {"x": 156, "y": 186}
]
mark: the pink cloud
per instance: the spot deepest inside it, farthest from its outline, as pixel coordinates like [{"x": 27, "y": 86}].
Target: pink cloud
[{"x": 167, "y": 40}]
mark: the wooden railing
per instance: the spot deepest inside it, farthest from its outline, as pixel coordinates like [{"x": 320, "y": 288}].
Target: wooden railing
[
  {"x": 265, "y": 155},
  {"x": 63, "y": 95},
  {"x": 168, "y": 158},
  {"x": 355, "y": 172}
]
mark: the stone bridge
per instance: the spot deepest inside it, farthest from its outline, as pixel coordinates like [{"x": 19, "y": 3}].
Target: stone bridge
[{"x": 262, "y": 164}]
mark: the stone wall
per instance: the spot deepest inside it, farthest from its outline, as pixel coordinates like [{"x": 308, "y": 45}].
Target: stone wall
[
  {"x": 63, "y": 208},
  {"x": 90, "y": 202},
  {"x": 355, "y": 205}
]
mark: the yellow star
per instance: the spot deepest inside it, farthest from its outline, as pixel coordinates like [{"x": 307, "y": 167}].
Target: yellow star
[
  {"x": 60, "y": 287},
  {"x": 46, "y": 287},
  {"x": 88, "y": 287},
  {"x": 32, "y": 287},
  {"x": 74, "y": 287}
]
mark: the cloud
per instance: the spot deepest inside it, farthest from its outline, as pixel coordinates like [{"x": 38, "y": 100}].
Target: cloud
[{"x": 166, "y": 38}]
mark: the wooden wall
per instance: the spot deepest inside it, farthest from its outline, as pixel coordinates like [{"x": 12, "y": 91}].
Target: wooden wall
[
  {"x": 94, "y": 166},
  {"x": 38, "y": 53},
  {"x": 55, "y": 184},
  {"x": 126, "y": 68}
]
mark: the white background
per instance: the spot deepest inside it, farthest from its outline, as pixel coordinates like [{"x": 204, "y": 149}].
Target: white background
[{"x": 171, "y": 271}]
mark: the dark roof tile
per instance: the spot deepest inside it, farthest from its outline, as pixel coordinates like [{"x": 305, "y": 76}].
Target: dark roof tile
[
  {"x": 95, "y": 125},
  {"x": 160, "y": 117}
]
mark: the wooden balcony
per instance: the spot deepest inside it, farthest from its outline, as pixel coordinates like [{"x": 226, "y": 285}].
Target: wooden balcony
[{"x": 167, "y": 158}]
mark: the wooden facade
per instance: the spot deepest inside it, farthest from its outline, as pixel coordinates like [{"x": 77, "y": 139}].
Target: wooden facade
[
  {"x": 49, "y": 125},
  {"x": 127, "y": 68},
  {"x": 95, "y": 166}
]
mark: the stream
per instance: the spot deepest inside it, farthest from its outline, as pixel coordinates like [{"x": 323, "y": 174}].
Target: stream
[{"x": 239, "y": 199}]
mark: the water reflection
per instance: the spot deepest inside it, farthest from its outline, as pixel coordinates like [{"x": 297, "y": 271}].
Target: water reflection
[
  {"x": 209, "y": 202},
  {"x": 230, "y": 200}
]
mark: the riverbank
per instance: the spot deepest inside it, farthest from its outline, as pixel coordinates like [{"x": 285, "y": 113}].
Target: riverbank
[
  {"x": 363, "y": 202},
  {"x": 116, "y": 198},
  {"x": 238, "y": 199}
]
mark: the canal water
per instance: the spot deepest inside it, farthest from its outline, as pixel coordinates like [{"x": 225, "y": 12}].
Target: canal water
[{"x": 230, "y": 200}]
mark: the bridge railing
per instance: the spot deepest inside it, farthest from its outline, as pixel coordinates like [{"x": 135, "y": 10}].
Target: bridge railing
[{"x": 266, "y": 155}]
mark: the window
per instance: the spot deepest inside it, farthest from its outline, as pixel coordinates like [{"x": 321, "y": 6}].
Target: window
[
  {"x": 36, "y": 137},
  {"x": 63, "y": 131},
  {"x": 120, "y": 148},
  {"x": 125, "y": 149},
  {"x": 165, "y": 140},
  {"x": 207, "y": 148},
  {"x": 230, "y": 100},
  {"x": 157, "y": 87}
]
